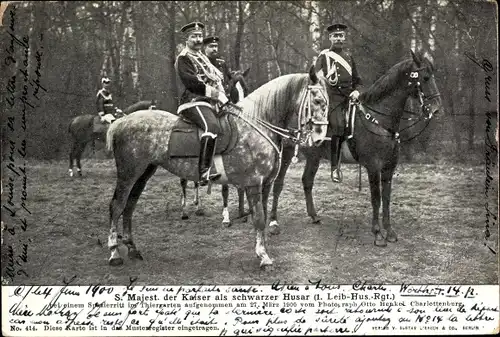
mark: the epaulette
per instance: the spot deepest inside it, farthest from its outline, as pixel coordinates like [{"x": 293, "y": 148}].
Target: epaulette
[
  {"x": 99, "y": 92},
  {"x": 182, "y": 53}
]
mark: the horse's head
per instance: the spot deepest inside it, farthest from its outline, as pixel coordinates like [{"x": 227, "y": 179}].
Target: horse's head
[
  {"x": 237, "y": 87},
  {"x": 314, "y": 109},
  {"x": 423, "y": 86}
]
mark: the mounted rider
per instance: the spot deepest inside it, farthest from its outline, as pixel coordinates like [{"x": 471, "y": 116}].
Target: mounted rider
[
  {"x": 340, "y": 70},
  {"x": 203, "y": 96},
  {"x": 104, "y": 102},
  {"x": 211, "y": 49}
]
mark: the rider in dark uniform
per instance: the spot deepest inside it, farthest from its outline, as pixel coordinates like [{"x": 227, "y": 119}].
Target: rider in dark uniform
[
  {"x": 203, "y": 95},
  {"x": 211, "y": 44},
  {"x": 104, "y": 102},
  {"x": 340, "y": 70}
]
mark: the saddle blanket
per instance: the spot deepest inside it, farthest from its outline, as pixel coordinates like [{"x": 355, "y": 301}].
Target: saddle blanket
[{"x": 185, "y": 138}]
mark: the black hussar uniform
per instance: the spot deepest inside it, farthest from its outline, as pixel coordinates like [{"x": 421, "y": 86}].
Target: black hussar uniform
[
  {"x": 104, "y": 102},
  {"x": 222, "y": 66},
  {"x": 198, "y": 103},
  {"x": 340, "y": 70},
  {"x": 218, "y": 62}
]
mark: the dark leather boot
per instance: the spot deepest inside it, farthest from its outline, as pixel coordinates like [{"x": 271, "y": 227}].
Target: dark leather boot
[
  {"x": 207, "y": 152},
  {"x": 336, "y": 174}
]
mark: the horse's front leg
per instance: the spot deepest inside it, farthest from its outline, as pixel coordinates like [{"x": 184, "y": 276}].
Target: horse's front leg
[
  {"x": 310, "y": 170},
  {"x": 374, "y": 178},
  {"x": 241, "y": 204},
  {"x": 254, "y": 196},
  {"x": 286, "y": 159},
  {"x": 386, "y": 204},
  {"x": 183, "y": 199}
]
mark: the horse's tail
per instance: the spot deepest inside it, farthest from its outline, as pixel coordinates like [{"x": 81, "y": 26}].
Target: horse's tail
[{"x": 110, "y": 135}]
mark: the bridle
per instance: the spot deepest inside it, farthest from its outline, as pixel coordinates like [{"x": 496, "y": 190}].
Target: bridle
[
  {"x": 425, "y": 116},
  {"x": 305, "y": 120}
]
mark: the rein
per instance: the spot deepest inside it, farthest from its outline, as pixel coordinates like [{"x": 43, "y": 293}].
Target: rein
[
  {"x": 296, "y": 135},
  {"x": 413, "y": 81}
]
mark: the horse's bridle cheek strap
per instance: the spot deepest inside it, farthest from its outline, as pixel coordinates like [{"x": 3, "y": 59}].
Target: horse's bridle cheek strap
[{"x": 305, "y": 107}]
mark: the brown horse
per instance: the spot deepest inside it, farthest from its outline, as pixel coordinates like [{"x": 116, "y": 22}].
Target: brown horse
[
  {"x": 142, "y": 141},
  {"x": 375, "y": 138},
  {"x": 238, "y": 90},
  {"x": 83, "y": 129}
]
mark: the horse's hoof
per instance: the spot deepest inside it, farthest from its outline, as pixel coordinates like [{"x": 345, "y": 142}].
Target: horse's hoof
[
  {"x": 266, "y": 265},
  {"x": 380, "y": 241},
  {"x": 199, "y": 212},
  {"x": 274, "y": 228},
  {"x": 226, "y": 224},
  {"x": 135, "y": 255},
  {"x": 391, "y": 236},
  {"x": 184, "y": 217},
  {"x": 316, "y": 219},
  {"x": 79, "y": 173},
  {"x": 116, "y": 261}
]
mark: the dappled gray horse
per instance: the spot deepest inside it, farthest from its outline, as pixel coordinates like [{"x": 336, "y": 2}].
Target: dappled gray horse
[
  {"x": 88, "y": 128},
  {"x": 375, "y": 141},
  {"x": 248, "y": 158}
]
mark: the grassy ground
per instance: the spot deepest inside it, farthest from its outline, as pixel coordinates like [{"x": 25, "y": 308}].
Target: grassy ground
[{"x": 437, "y": 211}]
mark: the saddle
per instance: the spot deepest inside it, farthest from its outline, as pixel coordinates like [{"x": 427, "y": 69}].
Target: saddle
[{"x": 185, "y": 137}]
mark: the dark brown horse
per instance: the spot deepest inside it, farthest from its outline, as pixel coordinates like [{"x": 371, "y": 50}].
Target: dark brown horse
[
  {"x": 83, "y": 129},
  {"x": 375, "y": 139},
  {"x": 141, "y": 142},
  {"x": 238, "y": 90}
]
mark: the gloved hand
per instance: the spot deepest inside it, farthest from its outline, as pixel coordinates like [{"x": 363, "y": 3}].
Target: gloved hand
[
  {"x": 354, "y": 95},
  {"x": 119, "y": 111},
  {"x": 101, "y": 113}
]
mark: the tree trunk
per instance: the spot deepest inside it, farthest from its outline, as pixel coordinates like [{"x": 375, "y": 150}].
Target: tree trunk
[
  {"x": 239, "y": 34},
  {"x": 171, "y": 57}
]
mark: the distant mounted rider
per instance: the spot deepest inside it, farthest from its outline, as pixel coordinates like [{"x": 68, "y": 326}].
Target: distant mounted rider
[{"x": 104, "y": 102}]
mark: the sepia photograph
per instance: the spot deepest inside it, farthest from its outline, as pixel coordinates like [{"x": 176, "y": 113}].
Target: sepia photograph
[{"x": 249, "y": 142}]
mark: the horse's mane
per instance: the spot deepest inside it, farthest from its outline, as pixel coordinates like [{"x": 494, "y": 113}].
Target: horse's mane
[
  {"x": 387, "y": 83},
  {"x": 275, "y": 97}
]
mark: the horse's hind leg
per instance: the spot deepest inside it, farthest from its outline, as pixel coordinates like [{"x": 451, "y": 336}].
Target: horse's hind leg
[
  {"x": 70, "y": 171},
  {"x": 286, "y": 159},
  {"x": 374, "y": 177},
  {"x": 387, "y": 175},
  {"x": 78, "y": 156},
  {"x": 310, "y": 170},
  {"x": 125, "y": 183},
  {"x": 197, "y": 201},
  {"x": 225, "y": 212},
  {"x": 135, "y": 193},
  {"x": 183, "y": 199}
]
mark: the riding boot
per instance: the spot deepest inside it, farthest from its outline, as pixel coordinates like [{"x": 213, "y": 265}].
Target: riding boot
[
  {"x": 336, "y": 174},
  {"x": 207, "y": 152}
]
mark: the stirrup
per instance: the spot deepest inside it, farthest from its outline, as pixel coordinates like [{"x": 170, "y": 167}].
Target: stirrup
[
  {"x": 206, "y": 177},
  {"x": 336, "y": 175}
]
